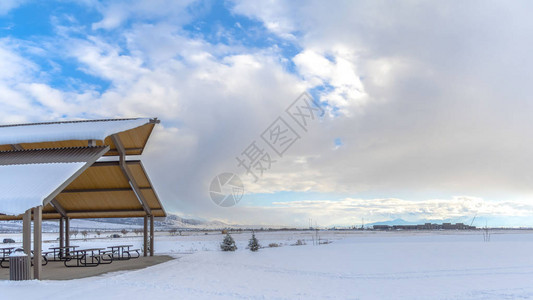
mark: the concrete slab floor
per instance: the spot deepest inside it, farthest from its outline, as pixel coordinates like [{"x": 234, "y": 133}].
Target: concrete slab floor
[{"x": 56, "y": 270}]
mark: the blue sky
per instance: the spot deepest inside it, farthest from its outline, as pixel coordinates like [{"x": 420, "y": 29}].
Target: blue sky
[{"x": 426, "y": 105}]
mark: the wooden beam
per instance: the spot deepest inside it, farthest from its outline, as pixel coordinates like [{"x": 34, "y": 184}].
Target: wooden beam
[
  {"x": 113, "y": 163},
  {"x": 58, "y": 207},
  {"x": 71, "y": 212},
  {"x": 67, "y": 231},
  {"x": 101, "y": 190},
  {"x": 151, "y": 235},
  {"x": 127, "y": 150},
  {"x": 125, "y": 169},
  {"x": 62, "y": 232},
  {"x": 26, "y": 232},
  {"x": 26, "y": 238},
  {"x": 145, "y": 235},
  {"x": 37, "y": 242}
]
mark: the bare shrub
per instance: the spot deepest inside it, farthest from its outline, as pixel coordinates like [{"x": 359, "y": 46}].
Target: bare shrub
[{"x": 300, "y": 243}]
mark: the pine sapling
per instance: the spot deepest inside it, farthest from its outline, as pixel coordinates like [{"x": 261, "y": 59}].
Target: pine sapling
[
  {"x": 228, "y": 244},
  {"x": 253, "y": 244}
]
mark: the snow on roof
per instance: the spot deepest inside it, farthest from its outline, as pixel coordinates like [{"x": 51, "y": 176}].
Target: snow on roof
[
  {"x": 29, "y": 177},
  {"x": 64, "y": 131},
  {"x": 25, "y": 186}
]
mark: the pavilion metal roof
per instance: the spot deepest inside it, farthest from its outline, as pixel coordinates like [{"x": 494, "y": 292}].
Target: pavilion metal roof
[
  {"x": 63, "y": 171},
  {"x": 133, "y": 133}
]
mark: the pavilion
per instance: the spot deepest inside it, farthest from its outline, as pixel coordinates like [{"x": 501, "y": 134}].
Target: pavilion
[{"x": 76, "y": 169}]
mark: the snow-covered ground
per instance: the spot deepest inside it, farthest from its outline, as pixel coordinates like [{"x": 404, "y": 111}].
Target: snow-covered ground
[{"x": 356, "y": 265}]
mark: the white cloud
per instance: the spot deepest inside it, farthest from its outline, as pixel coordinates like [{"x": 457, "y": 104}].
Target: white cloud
[
  {"x": 433, "y": 98},
  {"x": 339, "y": 72},
  {"x": 24, "y": 92},
  {"x": 105, "y": 61},
  {"x": 351, "y": 211},
  {"x": 8, "y": 5},
  {"x": 115, "y": 13},
  {"x": 438, "y": 97},
  {"x": 354, "y": 211},
  {"x": 16, "y": 71},
  {"x": 272, "y": 13},
  {"x": 13, "y": 65}
]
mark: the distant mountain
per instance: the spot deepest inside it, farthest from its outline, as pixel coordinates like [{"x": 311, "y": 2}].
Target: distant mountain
[
  {"x": 174, "y": 221},
  {"x": 174, "y": 218},
  {"x": 392, "y": 222},
  {"x": 170, "y": 222}
]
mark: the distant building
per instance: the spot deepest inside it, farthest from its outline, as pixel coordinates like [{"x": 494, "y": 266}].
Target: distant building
[
  {"x": 382, "y": 227},
  {"x": 426, "y": 226},
  {"x": 405, "y": 227},
  {"x": 447, "y": 226}
]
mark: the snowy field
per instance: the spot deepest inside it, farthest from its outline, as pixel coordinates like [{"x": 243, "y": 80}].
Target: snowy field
[{"x": 355, "y": 265}]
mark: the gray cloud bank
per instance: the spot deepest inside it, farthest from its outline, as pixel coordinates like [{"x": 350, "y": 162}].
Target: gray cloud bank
[{"x": 432, "y": 99}]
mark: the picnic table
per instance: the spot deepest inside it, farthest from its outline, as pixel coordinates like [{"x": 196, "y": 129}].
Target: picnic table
[
  {"x": 122, "y": 252},
  {"x": 4, "y": 259},
  {"x": 43, "y": 255},
  {"x": 85, "y": 257},
  {"x": 60, "y": 253},
  {"x": 5, "y": 256}
]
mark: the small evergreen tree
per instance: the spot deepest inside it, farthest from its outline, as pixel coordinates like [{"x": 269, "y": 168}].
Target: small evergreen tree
[
  {"x": 253, "y": 244},
  {"x": 228, "y": 244}
]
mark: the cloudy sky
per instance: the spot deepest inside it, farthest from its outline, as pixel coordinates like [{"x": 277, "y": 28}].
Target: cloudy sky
[{"x": 427, "y": 110}]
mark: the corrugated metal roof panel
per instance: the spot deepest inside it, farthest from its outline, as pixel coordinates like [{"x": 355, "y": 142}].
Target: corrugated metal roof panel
[{"x": 42, "y": 156}]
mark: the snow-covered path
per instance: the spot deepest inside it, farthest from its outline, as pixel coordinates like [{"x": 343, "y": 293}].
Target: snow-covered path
[{"x": 355, "y": 266}]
